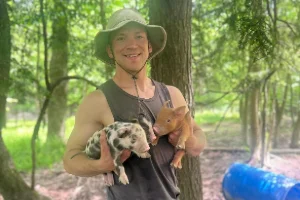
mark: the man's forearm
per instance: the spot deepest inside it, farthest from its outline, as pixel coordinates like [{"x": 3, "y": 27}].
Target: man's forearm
[
  {"x": 196, "y": 143},
  {"x": 81, "y": 165}
]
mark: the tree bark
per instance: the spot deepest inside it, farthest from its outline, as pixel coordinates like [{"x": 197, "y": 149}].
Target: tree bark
[
  {"x": 108, "y": 68},
  {"x": 254, "y": 124},
  {"x": 173, "y": 67},
  {"x": 279, "y": 110},
  {"x": 296, "y": 133},
  {"x": 5, "y": 52},
  {"x": 12, "y": 186},
  {"x": 244, "y": 108},
  {"x": 255, "y": 12},
  {"x": 58, "y": 68}
]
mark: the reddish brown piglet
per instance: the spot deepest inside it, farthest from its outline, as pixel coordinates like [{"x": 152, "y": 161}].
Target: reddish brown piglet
[{"x": 170, "y": 120}]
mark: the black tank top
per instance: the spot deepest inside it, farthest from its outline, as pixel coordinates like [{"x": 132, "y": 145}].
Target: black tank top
[{"x": 151, "y": 178}]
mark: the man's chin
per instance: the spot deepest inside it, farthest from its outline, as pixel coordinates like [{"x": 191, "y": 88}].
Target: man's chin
[{"x": 132, "y": 69}]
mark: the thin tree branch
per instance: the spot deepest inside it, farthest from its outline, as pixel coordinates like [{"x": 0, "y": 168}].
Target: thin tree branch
[
  {"x": 216, "y": 10},
  {"x": 288, "y": 25},
  {"x": 48, "y": 86},
  {"x": 56, "y": 83},
  {"x": 264, "y": 90},
  {"x": 223, "y": 117},
  {"x": 237, "y": 90},
  {"x": 269, "y": 11},
  {"x": 216, "y": 100},
  {"x": 40, "y": 117},
  {"x": 102, "y": 14}
]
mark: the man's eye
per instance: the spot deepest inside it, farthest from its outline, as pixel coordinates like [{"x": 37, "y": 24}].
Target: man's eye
[
  {"x": 120, "y": 38},
  {"x": 139, "y": 37}
]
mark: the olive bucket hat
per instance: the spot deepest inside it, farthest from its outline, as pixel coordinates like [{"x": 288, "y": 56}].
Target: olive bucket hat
[{"x": 156, "y": 34}]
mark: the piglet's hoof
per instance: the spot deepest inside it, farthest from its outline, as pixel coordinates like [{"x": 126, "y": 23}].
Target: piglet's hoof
[
  {"x": 176, "y": 165},
  {"x": 124, "y": 179},
  {"x": 180, "y": 146},
  {"x": 145, "y": 155},
  {"x": 109, "y": 179},
  {"x": 154, "y": 142}
]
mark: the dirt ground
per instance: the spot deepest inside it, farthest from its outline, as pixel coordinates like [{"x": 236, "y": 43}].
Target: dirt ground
[{"x": 58, "y": 185}]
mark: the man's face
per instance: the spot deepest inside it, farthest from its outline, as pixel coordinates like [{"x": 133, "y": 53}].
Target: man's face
[{"x": 130, "y": 47}]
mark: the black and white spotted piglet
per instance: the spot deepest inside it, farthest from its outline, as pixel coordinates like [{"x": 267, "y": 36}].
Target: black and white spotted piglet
[{"x": 120, "y": 136}]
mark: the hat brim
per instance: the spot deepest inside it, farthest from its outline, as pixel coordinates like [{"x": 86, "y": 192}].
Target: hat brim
[{"x": 156, "y": 35}]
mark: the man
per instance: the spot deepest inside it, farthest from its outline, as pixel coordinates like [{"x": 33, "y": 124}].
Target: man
[{"x": 128, "y": 43}]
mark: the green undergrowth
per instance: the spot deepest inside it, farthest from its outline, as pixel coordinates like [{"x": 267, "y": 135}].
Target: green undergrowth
[{"x": 17, "y": 138}]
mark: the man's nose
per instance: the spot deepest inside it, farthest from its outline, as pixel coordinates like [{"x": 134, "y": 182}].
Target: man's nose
[{"x": 131, "y": 43}]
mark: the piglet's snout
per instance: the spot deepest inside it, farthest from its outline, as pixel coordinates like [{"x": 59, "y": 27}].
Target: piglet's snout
[
  {"x": 143, "y": 147},
  {"x": 147, "y": 148},
  {"x": 152, "y": 136},
  {"x": 156, "y": 130}
]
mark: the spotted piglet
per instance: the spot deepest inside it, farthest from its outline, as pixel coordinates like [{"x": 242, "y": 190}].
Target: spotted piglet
[{"x": 120, "y": 136}]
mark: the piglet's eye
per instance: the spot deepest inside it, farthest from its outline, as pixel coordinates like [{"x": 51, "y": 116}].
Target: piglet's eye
[{"x": 168, "y": 120}]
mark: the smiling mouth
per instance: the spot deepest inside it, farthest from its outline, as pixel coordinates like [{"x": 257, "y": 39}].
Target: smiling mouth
[{"x": 132, "y": 55}]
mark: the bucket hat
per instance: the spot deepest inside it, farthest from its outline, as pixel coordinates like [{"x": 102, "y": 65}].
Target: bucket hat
[{"x": 156, "y": 34}]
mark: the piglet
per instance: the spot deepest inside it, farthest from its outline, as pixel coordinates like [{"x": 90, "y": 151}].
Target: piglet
[
  {"x": 170, "y": 120},
  {"x": 120, "y": 136},
  {"x": 147, "y": 126}
]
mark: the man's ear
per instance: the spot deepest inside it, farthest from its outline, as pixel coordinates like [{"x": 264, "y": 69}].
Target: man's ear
[
  {"x": 109, "y": 51},
  {"x": 149, "y": 47}
]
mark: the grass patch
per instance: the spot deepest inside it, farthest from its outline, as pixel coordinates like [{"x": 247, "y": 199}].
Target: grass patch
[
  {"x": 212, "y": 117},
  {"x": 17, "y": 138}
]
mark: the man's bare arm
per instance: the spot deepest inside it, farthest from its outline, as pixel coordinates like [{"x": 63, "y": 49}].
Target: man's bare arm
[{"x": 92, "y": 114}]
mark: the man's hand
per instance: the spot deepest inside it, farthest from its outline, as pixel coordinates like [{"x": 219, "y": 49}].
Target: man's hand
[
  {"x": 194, "y": 145},
  {"x": 174, "y": 137},
  {"x": 106, "y": 158}
]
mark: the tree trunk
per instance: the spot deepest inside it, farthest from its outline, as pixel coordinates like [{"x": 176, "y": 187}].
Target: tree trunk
[
  {"x": 254, "y": 124},
  {"x": 12, "y": 186},
  {"x": 5, "y": 52},
  {"x": 279, "y": 110},
  {"x": 244, "y": 108},
  {"x": 271, "y": 123},
  {"x": 296, "y": 133},
  {"x": 256, "y": 12},
  {"x": 255, "y": 139},
  {"x": 173, "y": 67},
  {"x": 58, "y": 68},
  {"x": 108, "y": 68},
  {"x": 292, "y": 107}
]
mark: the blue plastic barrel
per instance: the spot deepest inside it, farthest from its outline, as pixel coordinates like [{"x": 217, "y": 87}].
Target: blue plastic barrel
[{"x": 243, "y": 182}]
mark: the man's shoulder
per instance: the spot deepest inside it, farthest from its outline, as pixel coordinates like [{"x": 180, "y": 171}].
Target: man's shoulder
[
  {"x": 93, "y": 107},
  {"x": 93, "y": 100},
  {"x": 170, "y": 88},
  {"x": 96, "y": 95},
  {"x": 106, "y": 85},
  {"x": 173, "y": 90}
]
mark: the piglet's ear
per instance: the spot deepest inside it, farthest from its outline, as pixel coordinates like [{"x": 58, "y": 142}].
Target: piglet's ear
[
  {"x": 134, "y": 120},
  {"x": 188, "y": 117},
  {"x": 124, "y": 132},
  {"x": 179, "y": 112}
]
